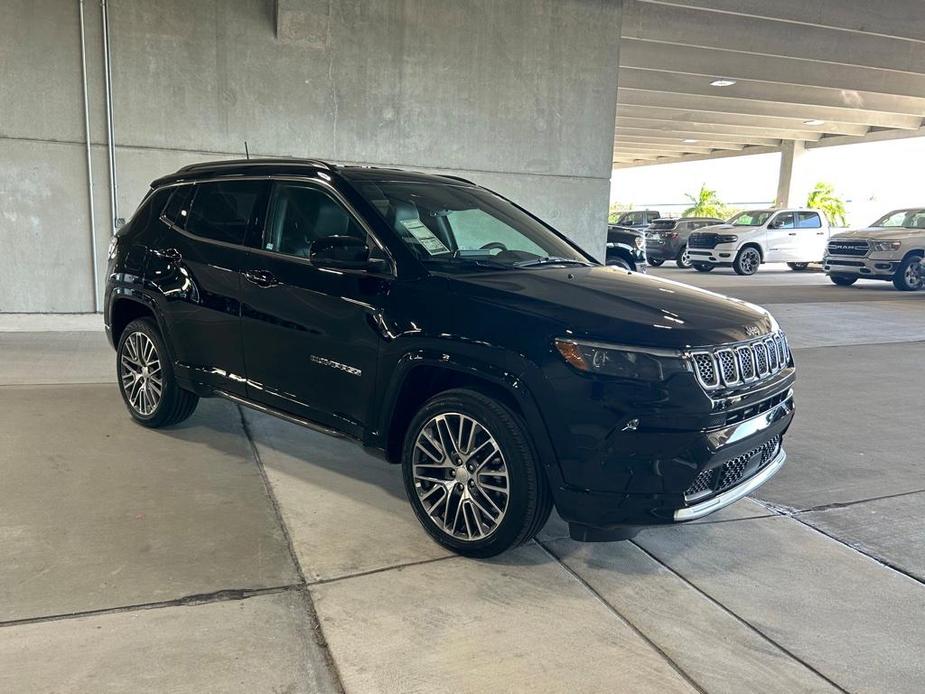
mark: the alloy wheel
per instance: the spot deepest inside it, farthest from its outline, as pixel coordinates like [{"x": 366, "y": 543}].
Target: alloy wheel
[
  {"x": 460, "y": 476},
  {"x": 915, "y": 275},
  {"x": 685, "y": 258},
  {"x": 750, "y": 261},
  {"x": 140, "y": 372}
]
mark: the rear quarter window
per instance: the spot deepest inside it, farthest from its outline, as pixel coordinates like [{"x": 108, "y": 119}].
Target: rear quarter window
[{"x": 222, "y": 210}]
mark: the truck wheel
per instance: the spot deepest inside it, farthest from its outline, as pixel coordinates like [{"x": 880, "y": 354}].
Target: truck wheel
[
  {"x": 146, "y": 379},
  {"x": 683, "y": 259},
  {"x": 472, "y": 476},
  {"x": 747, "y": 261},
  {"x": 908, "y": 277},
  {"x": 655, "y": 262},
  {"x": 703, "y": 267},
  {"x": 798, "y": 267},
  {"x": 843, "y": 280}
]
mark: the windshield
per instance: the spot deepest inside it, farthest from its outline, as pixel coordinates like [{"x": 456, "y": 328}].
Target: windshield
[
  {"x": 462, "y": 229},
  {"x": 902, "y": 219},
  {"x": 752, "y": 218}
]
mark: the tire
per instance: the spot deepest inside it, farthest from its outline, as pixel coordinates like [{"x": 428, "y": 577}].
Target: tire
[
  {"x": 655, "y": 262},
  {"x": 843, "y": 280},
  {"x": 747, "y": 261},
  {"x": 909, "y": 275},
  {"x": 617, "y": 261},
  {"x": 703, "y": 267},
  {"x": 455, "y": 488},
  {"x": 683, "y": 259},
  {"x": 142, "y": 351},
  {"x": 798, "y": 267}
]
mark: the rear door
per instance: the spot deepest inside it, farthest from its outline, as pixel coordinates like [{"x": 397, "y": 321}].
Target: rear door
[
  {"x": 196, "y": 267},
  {"x": 812, "y": 237},
  {"x": 781, "y": 238},
  {"x": 311, "y": 334}
]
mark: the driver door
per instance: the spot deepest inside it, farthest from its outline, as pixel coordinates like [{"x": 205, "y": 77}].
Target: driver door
[
  {"x": 311, "y": 345},
  {"x": 782, "y": 239}
]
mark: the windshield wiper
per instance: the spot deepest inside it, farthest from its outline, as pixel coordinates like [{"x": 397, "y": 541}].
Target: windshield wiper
[{"x": 551, "y": 260}]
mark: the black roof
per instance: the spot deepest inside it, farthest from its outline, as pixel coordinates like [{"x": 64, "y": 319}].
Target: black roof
[{"x": 266, "y": 167}]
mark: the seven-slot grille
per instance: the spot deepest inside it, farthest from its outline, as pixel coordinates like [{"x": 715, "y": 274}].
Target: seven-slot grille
[
  {"x": 722, "y": 477},
  {"x": 849, "y": 247},
  {"x": 735, "y": 365}
]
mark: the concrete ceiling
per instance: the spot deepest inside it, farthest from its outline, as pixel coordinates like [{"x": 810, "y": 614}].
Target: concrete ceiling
[{"x": 856, "y": 65}]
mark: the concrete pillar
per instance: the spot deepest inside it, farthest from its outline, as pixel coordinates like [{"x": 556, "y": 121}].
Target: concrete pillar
[{"x": 790, "y": 191}]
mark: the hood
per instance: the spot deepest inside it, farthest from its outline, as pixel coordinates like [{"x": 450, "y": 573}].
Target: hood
[
  {"x": 880, "y": 233},
  {"x": 727, "y": 227},
  {"x": 615, "y": 305}
]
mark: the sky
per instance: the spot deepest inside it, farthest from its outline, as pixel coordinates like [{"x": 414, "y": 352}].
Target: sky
[{"x": 873, "y": 178}]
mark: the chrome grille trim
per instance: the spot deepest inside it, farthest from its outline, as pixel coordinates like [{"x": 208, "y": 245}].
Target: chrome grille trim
[{"x": 732, "y": 365}]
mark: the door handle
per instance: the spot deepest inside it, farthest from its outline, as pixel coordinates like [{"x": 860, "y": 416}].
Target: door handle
[
  {"x": 820, "y": 233},
  {"x": 171, "y": 254},
  {"x": 261, "y": 278},
  {"x": 792, "y": 233}
]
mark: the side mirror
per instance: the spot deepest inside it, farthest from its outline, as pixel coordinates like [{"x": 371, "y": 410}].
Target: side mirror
[
  {"x": 119, "y": 222},
  {"x": 341, "y": 252}
]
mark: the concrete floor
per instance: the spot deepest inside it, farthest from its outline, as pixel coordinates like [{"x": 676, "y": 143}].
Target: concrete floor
[{"x": 239, "y": 553}]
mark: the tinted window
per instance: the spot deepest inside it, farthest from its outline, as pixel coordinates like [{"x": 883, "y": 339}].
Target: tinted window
[
  {"x": 784, "y": 221},
  {"x": 300, "y": 215},
  {"x": 909, "y": 219},
  {"x": 222, "y": 211},
  {"x": 177, "y": 210},
  {"x": 809, "y": 220},
  {"x": 632, "y": 219}
]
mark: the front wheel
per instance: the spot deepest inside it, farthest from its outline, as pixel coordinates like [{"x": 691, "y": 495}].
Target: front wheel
[
  {"x": 683, "y": 259},
  {"x": 909, "y": 275},
  {"x": 472, "y": 476},
  {"x": 747, "y": 261},
  {"x": 798, "y": 267},
  {"x": 843, "y": 280},
  {"x": 617, "y": 261},
  {"x": 146, "y": 379},
  {"x": 703, "y": 267}
]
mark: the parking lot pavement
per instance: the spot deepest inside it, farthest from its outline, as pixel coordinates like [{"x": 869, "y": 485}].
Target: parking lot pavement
[{"x": 239, "y": 553}]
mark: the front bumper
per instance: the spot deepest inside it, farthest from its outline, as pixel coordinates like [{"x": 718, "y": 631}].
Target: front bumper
[
  {"x": 710, "y": 454},
  {"x": 875, "y": 268},
  {"x": 722, "y": 254}
]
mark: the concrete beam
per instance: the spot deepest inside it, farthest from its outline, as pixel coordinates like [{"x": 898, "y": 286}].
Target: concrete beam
[
  {"x": 712, "y": 131},
  {"x": 739, "y": 65},
  {"x": 675, "y": 24},
  {"x": 677, "y": 134},
  {"x": 668, "y": 159},
  {"x": 725, "y": 105},
  {"x": 738, "y": 122},
  {"x": 788, "y": 179},
  {"x": 773, "y": 92}
]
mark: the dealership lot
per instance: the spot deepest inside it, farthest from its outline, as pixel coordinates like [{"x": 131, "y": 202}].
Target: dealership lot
[{"x": 237, "y": 551}]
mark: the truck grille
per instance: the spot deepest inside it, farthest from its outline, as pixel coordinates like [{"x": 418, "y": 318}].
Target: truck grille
[
  {"x": 858, "y": 248},
  {"x": 734, "y": 365},
  {"x": 702, "y": 240},
  {"x": 722, "y": 477}
]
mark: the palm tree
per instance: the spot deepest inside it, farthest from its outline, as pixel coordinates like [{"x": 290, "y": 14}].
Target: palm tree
[
  {"x": 824, "y": 199},
  {"x": 706, "y": 203}
]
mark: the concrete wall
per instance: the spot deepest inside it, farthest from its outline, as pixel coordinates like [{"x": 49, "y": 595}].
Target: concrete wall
[{"x": 517, "y": 95}]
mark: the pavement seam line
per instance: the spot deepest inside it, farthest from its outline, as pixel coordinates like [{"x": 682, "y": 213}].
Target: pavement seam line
[
  {"x": 614, "y": 611},
  {"x": 739, "y": 619},
  {"x": 845, "y": 504},
  {"x": 224, "y": 595},
  {"x": 381, "y": 569},
  {"x": 312, "y": 613}
]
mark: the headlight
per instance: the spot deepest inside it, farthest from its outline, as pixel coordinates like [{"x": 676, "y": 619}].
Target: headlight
[
  {"x": 885, "y": 245},
  {"x": 640, "y": 242},
  {"x": 618, "y": 361},
  {"x": 727, "y": 238}
]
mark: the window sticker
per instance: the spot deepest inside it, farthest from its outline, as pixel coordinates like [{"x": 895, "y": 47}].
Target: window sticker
[{"x": 425, "y": 236}]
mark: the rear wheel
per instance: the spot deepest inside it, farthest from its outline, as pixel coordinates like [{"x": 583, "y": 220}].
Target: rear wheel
[
  {"x": 703, "y": 267},
  {"x": 747, "y": 261},
  {"x": 617, "y": 261},
  {"x": 843, "y": 280},
  {"x": 655, "y": 262},
  {"x": 683, "y": 259},
  {"x": 909, "y": 275},
  {"x": 146, "y": 378},
  {"x": 472, "y": 476},
  {"x": 798, "y": 267}
]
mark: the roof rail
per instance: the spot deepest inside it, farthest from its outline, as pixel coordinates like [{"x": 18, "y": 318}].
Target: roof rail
[{"x": 206, "y": 165}]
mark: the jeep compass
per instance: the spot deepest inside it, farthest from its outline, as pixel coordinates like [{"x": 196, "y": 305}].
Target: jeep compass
[{"x": 447, "y": 329}]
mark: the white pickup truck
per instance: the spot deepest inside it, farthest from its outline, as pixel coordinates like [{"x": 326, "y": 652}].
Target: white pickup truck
[
  {"x": 889, "y": 249},
  {"x": 797, "y": 237}
]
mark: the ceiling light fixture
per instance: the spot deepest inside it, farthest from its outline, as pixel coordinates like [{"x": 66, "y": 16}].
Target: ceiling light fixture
[
  {"x": 814, "y": 121},
  {"x": 689, "y": 141},
  {"x": 722, "y": 83}
]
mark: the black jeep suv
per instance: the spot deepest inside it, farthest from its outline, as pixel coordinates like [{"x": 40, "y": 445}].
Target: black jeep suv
[{"x": 441, "y": 325}]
